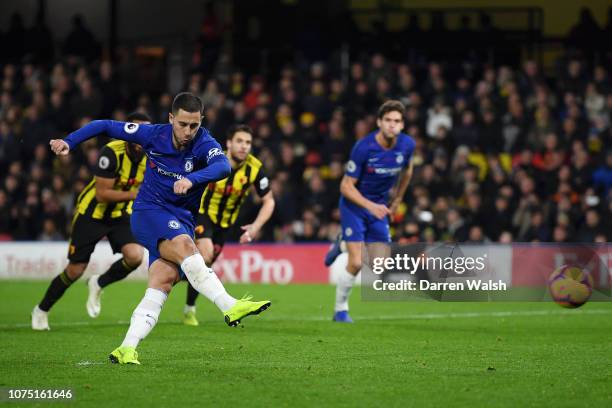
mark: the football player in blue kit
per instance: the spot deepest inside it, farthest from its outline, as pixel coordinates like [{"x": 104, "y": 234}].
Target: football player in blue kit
[
  {"x": 376, "y": 163},
  {"x": 182, "y": 159}
]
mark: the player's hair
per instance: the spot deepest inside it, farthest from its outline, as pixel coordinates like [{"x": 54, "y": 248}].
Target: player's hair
[
  {"x": 391, "y": 105},
  {"x": 140, "y": 116},
  {"x": 238, "y": 128},
  {"x": 187, "y": 102}
]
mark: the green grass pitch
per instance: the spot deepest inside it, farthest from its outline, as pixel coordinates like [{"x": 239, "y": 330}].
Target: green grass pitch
[{"x": 422, "y": 354}]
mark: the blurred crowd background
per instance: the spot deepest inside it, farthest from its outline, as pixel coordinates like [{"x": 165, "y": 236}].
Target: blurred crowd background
[{"x": 506, "y": 150}]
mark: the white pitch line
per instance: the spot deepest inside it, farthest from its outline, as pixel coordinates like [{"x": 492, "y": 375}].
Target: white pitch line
[
  {"x": 415, "y": 316},
  {"x": 425, "y": 316},
  {"x": 62, "y": 324},
  {"x": 88, "y": 363}
]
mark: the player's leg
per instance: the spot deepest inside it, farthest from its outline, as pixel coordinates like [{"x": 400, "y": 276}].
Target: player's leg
[
  {"x": 182, "y": 250},
  {"x": 122, "y": 267},
  {"x": 162, "y": 276},
  {"x": 161, "y": 232},
  {"x": 56, "y": 289},
  {"x": 353, "y": 231},
  {"x": 121, "y": 240},
  {"x": 346, "y": 280},
  {"x": 210, "y": 239},
  {"x": 206, "y": 248},
  {"x": 85, "y": 235},
  {"x": 334, "y": 250},
  {"x": 203, "y": 234}
]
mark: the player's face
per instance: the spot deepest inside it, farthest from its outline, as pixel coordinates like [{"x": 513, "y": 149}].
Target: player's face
[
  {"x": 185, "y": 125},
  {"x": 391, "y": 124},
  {"x": 239, "y": 146}
]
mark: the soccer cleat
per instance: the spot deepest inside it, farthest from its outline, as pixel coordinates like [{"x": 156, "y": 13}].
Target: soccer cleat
[
  {"x": 342, "y": 317},
  {"x": 40, "y": 319},
  {"x": 334, "y": 251},
  {"x": 93, "y": 300},
  {"x": 190, "y": 319},
  {"x": 243, "y": 308},
  {"x": 124, "y": 355}
]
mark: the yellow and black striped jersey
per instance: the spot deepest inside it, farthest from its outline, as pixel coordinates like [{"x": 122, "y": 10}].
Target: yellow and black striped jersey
[
  {"x": 221, "y": 201},
  {"x": 113, "y": 162}
]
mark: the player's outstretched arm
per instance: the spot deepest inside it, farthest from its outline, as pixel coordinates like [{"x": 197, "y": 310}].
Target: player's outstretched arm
[{"x": 130, "y": 132}]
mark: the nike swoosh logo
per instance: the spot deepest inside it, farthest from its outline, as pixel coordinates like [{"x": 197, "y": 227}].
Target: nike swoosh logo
[{"x": 152, "y": 153}]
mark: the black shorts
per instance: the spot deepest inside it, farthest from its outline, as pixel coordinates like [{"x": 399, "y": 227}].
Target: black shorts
[
  {"x": 206, "y": 228},
  {"x": 87, "y": 232}
]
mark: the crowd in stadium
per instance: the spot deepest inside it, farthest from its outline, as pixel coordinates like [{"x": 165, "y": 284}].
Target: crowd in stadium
[{"x": 504, "y": 154}]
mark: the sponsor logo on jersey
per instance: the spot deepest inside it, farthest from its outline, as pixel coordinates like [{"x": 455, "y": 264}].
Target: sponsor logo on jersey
[
  {"x": 384, "y": 171},
  {"x": 169, "y": 173}
]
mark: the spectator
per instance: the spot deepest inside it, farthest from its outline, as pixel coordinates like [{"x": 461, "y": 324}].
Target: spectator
[
  {"x": 506, "y": 144},
  {"x": 49, "y": 232},
  {"x": 80, "y": 41},
  {"x": 591, "y": 227}
]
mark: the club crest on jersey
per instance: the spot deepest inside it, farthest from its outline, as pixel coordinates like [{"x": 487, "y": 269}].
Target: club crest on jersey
[
  {"x": 399, "y": 158},
  {"x": 348, "y": 231},
  {"x": 188, "y": 166},
  {"x": 174, "y": 224},
  {"x": 130, "y": 127}
]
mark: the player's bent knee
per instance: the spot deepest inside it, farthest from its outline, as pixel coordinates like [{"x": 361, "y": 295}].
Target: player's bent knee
[
  {"x": 133, "y": 254},
  {"x": 184, "y": 244},
  {"x": 75, "y": 270},
  {"x": 353, "y": 267},
  {"x": 354, "y": 262},
  {"x": 178, "y": 248}
]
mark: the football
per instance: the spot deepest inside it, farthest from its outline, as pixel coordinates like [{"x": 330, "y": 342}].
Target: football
[{"x": 570, "y": 286}]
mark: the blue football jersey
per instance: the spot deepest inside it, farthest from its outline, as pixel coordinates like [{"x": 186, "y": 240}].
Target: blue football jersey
[
  {"x": 165, "y": 164},
  {"x": 376, "y": 168}
]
